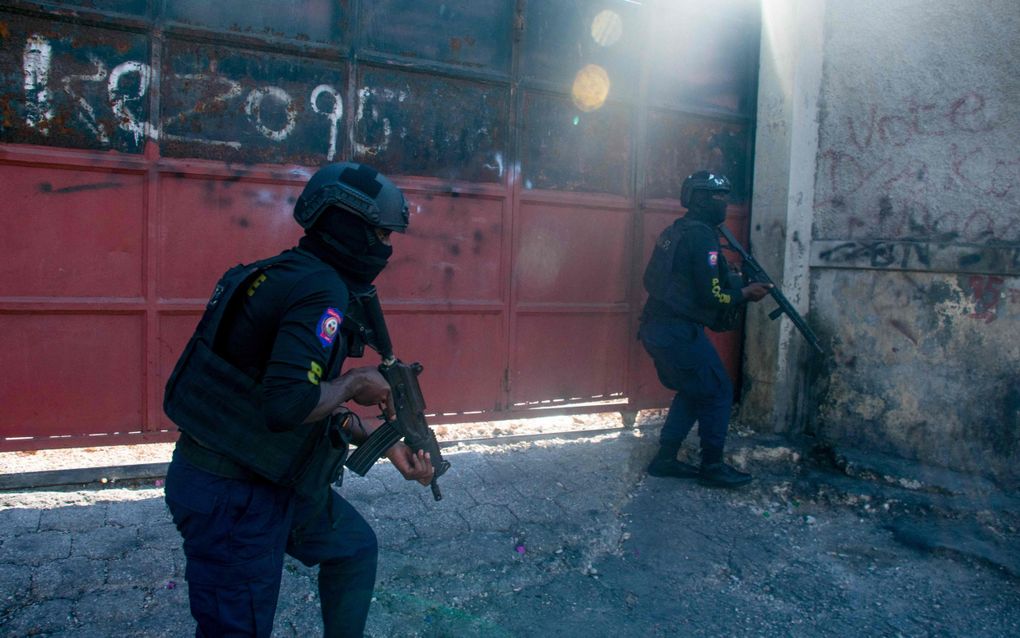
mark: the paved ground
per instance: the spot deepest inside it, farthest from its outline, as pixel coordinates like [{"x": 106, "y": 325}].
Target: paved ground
[{"x": 567, "y": 538}]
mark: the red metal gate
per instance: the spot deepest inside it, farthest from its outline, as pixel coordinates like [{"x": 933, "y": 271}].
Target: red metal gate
[{"x": 147, "y": 145}]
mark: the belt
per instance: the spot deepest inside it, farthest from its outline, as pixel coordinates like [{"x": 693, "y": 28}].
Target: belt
[{"x": 212, "y": 461}]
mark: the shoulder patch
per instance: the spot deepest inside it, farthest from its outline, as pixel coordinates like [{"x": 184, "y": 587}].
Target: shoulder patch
[
  {"x": 329, "y": 326},
  {"x": 713, "y": 258}
]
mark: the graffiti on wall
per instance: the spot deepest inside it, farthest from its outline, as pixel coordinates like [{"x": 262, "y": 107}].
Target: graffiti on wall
[
  {"x": 987, "y": 293},
  {"x": 922, "y": 170},
  {"x": 89, "y": 93},
  {"x": 97, "y": 89},
  {"x": 921, "y": 307},
  {"x": 916, "y": 255}
]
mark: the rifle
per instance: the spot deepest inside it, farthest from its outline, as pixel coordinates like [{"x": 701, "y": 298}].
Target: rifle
[
  {"x": 755, "y": 272},
  {"x": 365, "y": 325}
]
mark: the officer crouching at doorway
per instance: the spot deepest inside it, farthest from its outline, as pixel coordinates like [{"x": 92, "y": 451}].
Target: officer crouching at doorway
[
  {"x": 260, "y": 402},
  {"x": 690, "y": 287}
]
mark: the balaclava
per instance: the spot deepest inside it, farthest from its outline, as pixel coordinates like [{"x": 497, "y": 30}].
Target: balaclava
[
  {"x": 349, "y": 244},
  {"x": 704, "y": 208}
]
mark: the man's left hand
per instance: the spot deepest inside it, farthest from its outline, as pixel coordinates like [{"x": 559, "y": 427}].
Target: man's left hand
[
  {"x": 756, "y": 291},
  {"x": 413, "y": 466}
]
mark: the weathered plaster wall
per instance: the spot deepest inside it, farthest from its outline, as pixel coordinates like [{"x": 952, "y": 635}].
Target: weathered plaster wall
[
  {"x": 919, "y": 121},
  {"x": 925, "y": 366},
  {"x": 915, "y": 248}
]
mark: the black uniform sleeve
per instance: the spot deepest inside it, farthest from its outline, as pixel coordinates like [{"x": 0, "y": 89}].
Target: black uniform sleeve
[
  {"x": 309, "y": 331},
  {"x": 712, "y": 287}
]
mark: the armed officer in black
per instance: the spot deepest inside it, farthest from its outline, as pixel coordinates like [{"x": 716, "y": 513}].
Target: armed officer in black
[
  {"x": 259, "y": 398},
  {"x": 690, "y": 286}
]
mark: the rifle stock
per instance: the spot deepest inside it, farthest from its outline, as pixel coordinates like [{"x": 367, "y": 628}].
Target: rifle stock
[{"x": 756, "y": 273}]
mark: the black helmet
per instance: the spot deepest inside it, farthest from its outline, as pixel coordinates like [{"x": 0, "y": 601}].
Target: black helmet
[
  {"x": 702, "y": 181},
  {"x": 355, "y": 188}
]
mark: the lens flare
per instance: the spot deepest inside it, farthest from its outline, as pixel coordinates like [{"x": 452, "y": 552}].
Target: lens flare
[
  {"x": 607, "y": 28},
  {"x": 591, "y": 88}
]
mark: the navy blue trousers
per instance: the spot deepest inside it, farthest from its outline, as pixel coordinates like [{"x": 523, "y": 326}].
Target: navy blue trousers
[
  {"x": 687, "y": 362},
  {"x": 236, "y": 533}
]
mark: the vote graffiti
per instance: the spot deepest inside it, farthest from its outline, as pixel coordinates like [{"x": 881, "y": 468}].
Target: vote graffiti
[{"x": 921, "y": 169}]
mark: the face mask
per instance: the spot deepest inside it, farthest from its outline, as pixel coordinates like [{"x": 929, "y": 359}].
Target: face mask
[
  {"x": 348, "y": 244},
  {"x": 707, "y": 209}
]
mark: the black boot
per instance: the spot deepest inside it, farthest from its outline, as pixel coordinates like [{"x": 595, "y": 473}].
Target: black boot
[
  {"x": 722, "y": 475},
  {"x": 666, "y": 464},
  {"x": 672, "y": 468}
]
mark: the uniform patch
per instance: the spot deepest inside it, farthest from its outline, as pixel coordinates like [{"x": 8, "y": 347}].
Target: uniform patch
[
  {"x": 329, "y": 326},
  {"x": 713, "y": 258}
]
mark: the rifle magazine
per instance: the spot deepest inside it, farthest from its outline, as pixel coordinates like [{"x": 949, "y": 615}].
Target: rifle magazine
[{"x": 366, "y": 454}]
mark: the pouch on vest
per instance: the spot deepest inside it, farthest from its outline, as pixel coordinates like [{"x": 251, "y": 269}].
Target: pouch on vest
[
  {"x": 660, "y": 281},
  {"x": 220, "y": 407}
]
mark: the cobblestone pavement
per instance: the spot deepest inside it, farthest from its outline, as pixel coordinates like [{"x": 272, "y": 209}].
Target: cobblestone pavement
[{"x": 558, "y": 538}]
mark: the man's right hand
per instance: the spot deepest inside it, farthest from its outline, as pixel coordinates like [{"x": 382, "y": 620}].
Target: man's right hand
[
  {"x": 367, "y": 386},
  {"x": 755, "y": 291}
]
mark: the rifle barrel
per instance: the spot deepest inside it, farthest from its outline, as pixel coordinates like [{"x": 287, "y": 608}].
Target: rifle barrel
[{"x": 758, "y": 273}]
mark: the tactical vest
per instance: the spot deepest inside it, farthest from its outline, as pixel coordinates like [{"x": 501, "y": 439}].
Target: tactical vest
[
  {"x": 220, "y": 407},
  {"x": 675, "y": 291}
]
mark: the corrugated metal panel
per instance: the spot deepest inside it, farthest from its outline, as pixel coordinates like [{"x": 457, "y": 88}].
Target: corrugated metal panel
[{"x": 147, "y": 146}]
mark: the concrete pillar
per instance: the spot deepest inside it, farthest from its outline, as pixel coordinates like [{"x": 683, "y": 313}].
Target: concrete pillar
[{"x": 786, "y": 149}]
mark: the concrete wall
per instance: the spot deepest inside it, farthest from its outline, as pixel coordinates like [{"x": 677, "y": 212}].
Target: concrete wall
[{"x": 912, "y": 261}]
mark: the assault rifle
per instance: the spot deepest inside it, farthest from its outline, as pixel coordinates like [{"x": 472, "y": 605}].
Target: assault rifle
[
  {"x": 755, "y": 272},
  {"x": 365, "y": 325}
]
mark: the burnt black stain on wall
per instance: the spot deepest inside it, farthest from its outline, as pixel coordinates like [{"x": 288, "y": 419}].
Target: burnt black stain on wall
[
  {"x": 411, "y": 123},
  {"x": 941, "y": 292},
  {"x": 46, "y": 187}
]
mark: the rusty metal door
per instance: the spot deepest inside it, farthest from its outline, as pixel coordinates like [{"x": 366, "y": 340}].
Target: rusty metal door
[{"x": 147, "y": 145}]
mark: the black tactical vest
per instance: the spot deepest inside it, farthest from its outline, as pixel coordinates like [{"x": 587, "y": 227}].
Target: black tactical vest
[
  {"x": 672, "y": 294},
  {"x": 220, "y": 407}
]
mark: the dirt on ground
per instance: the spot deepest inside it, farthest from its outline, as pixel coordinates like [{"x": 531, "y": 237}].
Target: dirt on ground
[{"x": 146, "y": 453}]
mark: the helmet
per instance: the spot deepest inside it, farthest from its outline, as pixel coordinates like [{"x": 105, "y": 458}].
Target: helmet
[
  {"x": 354, "y": 188},
  {"x": 702, "y": 180}
]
